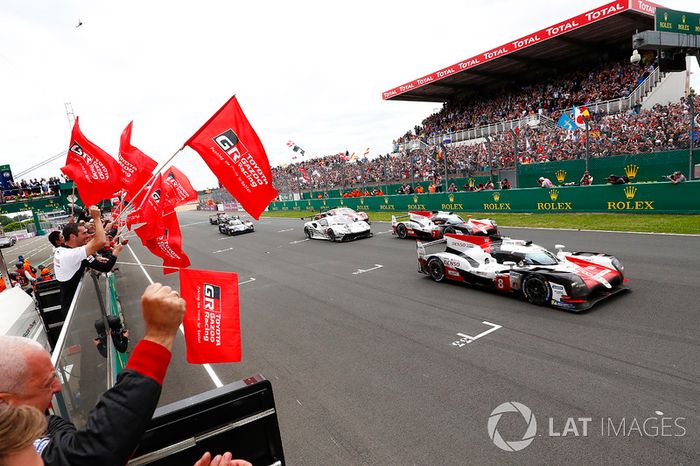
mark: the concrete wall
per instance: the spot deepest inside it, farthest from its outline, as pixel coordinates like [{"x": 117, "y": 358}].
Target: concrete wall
[{"x": 669, "y": 90}]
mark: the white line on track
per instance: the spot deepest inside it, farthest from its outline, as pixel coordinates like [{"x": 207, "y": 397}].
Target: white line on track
[
  {"x": 207, "y": 367},
  {"x": 383, "y": 232},
  {"x": 286, "y": 229},
  {"x": 466, "y": 339},
  {"x": 251, "y": 279},
  {"x": 299, "y": 241},
  {"x": 194, "y": 223},
  {"x": 359, "y": 271},
  {"x": 222, "y": 250}
]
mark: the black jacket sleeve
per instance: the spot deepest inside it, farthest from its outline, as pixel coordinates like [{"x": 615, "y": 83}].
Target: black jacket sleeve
[
  {"x": 114, "y": 427},
  {"x": 94, "y": 264}
]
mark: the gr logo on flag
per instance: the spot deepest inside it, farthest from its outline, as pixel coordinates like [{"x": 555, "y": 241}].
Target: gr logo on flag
[
  {"x": 227, "y": 141},
  {"x": 212, "y": 298},
  {"x": 75, "y": 148}
]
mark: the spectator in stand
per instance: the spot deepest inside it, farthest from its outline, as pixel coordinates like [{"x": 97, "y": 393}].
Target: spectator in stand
[
  {"x": 489, "y": 185},
  {"x": 676, "y": 177},
  {"x": 545, "y": 182},
  {"x": 614, "y": 179},
  {"x": 452, "y": 188},
  {"x": 505, "y": 184}
]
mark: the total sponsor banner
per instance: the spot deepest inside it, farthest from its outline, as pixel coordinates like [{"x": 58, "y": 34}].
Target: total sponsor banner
[
  {"x": 589, "y": 17},
  {"x": 658, "y": 197}
]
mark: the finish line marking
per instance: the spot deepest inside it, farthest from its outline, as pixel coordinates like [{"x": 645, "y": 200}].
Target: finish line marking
[
  {"x": 212, "y": 375},
  {"x": 466, "y": 339},
  {"x": 359, "y": 271}
]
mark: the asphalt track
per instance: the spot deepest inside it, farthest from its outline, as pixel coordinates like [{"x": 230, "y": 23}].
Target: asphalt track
[{"x": 365, "y": 371}]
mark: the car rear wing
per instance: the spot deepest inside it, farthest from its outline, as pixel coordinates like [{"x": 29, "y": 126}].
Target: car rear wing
[{"x": 421, "y": 247}]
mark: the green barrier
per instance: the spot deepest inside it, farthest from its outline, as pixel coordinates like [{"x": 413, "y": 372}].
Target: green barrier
[
  {"x": 662, "y": 197},
  {"x": 638, "y": 167},
  {"x": 119, "y": 359}
]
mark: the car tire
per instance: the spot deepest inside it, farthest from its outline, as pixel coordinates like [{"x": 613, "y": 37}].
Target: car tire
[
  {"x": 307, "y": 232},
  {"x": 436, "y": 269},
  {"x": 331, "y": 235},
  {"x": 536, "y": 290},
  {"x": 401, "y": 231},
  {"x": 450, "y": 230}
]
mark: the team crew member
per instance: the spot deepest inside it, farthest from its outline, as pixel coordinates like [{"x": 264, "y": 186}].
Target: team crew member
[
  {"x": 68, "y": 258},
  {"x": 123, "y": 413}
]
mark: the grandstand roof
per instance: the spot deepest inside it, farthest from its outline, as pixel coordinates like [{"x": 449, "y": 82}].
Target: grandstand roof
[{"x": 578, "y": 39}]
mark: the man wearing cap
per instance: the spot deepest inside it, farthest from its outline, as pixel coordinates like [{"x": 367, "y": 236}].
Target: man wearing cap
[{"x": 545, "y": 182}]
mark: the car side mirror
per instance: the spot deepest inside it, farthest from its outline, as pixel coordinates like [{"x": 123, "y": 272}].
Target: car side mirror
[{"x": 509, "y": 264}]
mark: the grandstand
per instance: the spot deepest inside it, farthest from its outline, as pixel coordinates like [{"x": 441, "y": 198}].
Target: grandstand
[{"x": 511, "y": 97}]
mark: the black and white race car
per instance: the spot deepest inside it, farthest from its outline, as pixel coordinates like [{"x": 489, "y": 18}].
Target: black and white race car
[
  {"x": 353, "y": 214},
  {"x": 337, "y": 228},
  {"x": 219, "y": 218},
  {"x": 450, "y": 222},
  {"x": 417, "y": 224},
  {"x": 236, "y": 226},
  {"x": 567, "y": 280}
]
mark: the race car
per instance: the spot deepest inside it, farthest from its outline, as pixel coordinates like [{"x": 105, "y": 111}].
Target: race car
[
  {"x": 344, "y": 211},
  {"x": 566, "y": 280},
  {"x": 7, "y": 241},
  {"x": 236, "y": 226},
  {"x": 418, "y": 224},
  {"x": 218, "y": 218},
  {"x": 450, "y": 222},
  {"x": 337, "y": 228}
]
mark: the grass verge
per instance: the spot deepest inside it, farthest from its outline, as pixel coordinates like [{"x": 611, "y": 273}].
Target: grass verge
[{"x": 652, "y": 223}]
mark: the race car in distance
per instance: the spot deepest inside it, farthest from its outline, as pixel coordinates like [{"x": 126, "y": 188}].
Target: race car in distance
[
  {"x": 236, "y": 226},
  {"x": 337, "y": 228},
  {"x": 567, "y": 280},
  {"x": 450, "y": 222},
  {"x": 218, "y": 218},
  {"x": 7, "y": 241},
  {"x": 418, "y": 224},
  {"x": 344, "y": 211}
]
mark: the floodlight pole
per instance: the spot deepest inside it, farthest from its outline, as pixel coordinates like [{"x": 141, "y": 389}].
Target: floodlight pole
[
  {"x": 447, "y": 174},
  {"x": 515, "y": 150},
  {"x": 585, "y": 121}
]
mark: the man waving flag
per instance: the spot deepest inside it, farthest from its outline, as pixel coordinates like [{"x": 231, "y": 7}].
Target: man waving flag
[
  {"x": 233, "y": 151},
  {"x": 94, "y": 172}
]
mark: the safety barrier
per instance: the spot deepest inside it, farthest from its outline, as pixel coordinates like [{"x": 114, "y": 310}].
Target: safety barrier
[{"x": 661, "y": 197}]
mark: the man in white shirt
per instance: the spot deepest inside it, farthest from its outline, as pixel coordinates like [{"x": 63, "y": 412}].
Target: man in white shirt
[{"x": 68, "y": 258}]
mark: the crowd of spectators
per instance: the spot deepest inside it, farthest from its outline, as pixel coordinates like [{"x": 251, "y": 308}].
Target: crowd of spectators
[
  {"x": 661, "y": 128},
  {"x": 609, "y": 80},
  {"x": 32, "y": 188}
]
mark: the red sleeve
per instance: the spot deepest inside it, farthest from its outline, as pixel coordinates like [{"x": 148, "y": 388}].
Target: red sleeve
[{"x": 150, "y": 359}]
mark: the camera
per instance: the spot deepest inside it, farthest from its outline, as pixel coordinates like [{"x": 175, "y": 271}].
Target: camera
[{"x": 635, "y": 58}]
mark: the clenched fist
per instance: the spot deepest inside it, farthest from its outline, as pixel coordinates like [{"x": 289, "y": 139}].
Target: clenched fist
[{"x": 163, "y": 311}]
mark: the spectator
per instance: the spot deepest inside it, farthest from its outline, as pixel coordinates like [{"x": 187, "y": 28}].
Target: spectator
[
  {"x": 613, "y": 179},
  {"x": 545, "y": 182},
  {"x": 586, "y": 179},
  {"x": 676, "y": 177},
  {"x": 19, "y": 427},
  {"x": 505, "y": 184}
]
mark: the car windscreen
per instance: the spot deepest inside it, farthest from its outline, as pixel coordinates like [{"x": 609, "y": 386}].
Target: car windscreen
[
  {"x": 341, "y": 220},
  {"x": 454, "y": 220},
  {"x": 539, "y": 258}
]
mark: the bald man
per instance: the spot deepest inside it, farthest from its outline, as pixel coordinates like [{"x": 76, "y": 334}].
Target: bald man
[{"x": 122, "y": 414}]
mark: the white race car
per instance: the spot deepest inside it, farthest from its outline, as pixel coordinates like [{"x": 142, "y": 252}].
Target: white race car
[
  {"x": 565, "y": 280},
  {"x": 236, "y": 226},
  {"x": 337, "y": 228},
  {"x": 353, "y": 214},
  {"x": 418, "y": 224}
]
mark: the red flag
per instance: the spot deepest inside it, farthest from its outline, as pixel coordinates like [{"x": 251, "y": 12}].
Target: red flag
[
  {"x": 94, "y": 172},
  {"x": 136, "y": 167},
  {"x": 168, "y": 245},
  {"x": 177, "y": 189},
  {"x": 233, "y": 151},
  {"x": 151, "y": 212},
  {"x": 212, "y": 321}
]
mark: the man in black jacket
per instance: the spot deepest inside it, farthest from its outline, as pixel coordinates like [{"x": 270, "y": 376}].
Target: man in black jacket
[{"x": 122, "y": 414}]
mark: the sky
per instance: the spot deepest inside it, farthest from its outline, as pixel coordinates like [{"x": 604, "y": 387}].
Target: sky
[{"x": 307, "y": 71}]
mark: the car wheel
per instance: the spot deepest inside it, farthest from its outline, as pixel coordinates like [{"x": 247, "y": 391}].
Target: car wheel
[
  {"x": 436, "y": 269},
  {"x": 450, "y": 230},
  {"x": 401, "y": 231},
  {"x": 307, "y": 232},
  {"x": 331, "y": 235},
  {"x": 537, "y": 290}
]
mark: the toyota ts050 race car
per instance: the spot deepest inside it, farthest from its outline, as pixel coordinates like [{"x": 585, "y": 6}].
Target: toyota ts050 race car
[
  {"x": 433, "y": 225},
  {"x": 566, "y": 280},
  {"x": 452, "y": 223},
  {"x": 219, "y": 218},
  {"x": 344, "y": 211},
  {"x": 236, "y": 226},
  {"x": 337, "y": 228}
]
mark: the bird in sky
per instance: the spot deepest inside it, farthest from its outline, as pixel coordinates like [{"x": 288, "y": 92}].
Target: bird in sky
[{"x": 80, "y": 23}]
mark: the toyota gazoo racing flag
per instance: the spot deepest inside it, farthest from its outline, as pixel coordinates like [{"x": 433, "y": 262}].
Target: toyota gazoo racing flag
[
  {"x": 233, "y": 151},
  {"x": 149, "y": 210},
  {"x": 94, "y": 172},
  {"x": 168, "y": 245},
  {"x": 212, "y": 321},
  {"x": 136, "y": 167},
  {"x": 177, "y": 189}
]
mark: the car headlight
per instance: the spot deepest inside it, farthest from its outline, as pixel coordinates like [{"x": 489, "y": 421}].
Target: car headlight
[{"x": 618, "y": 265}]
